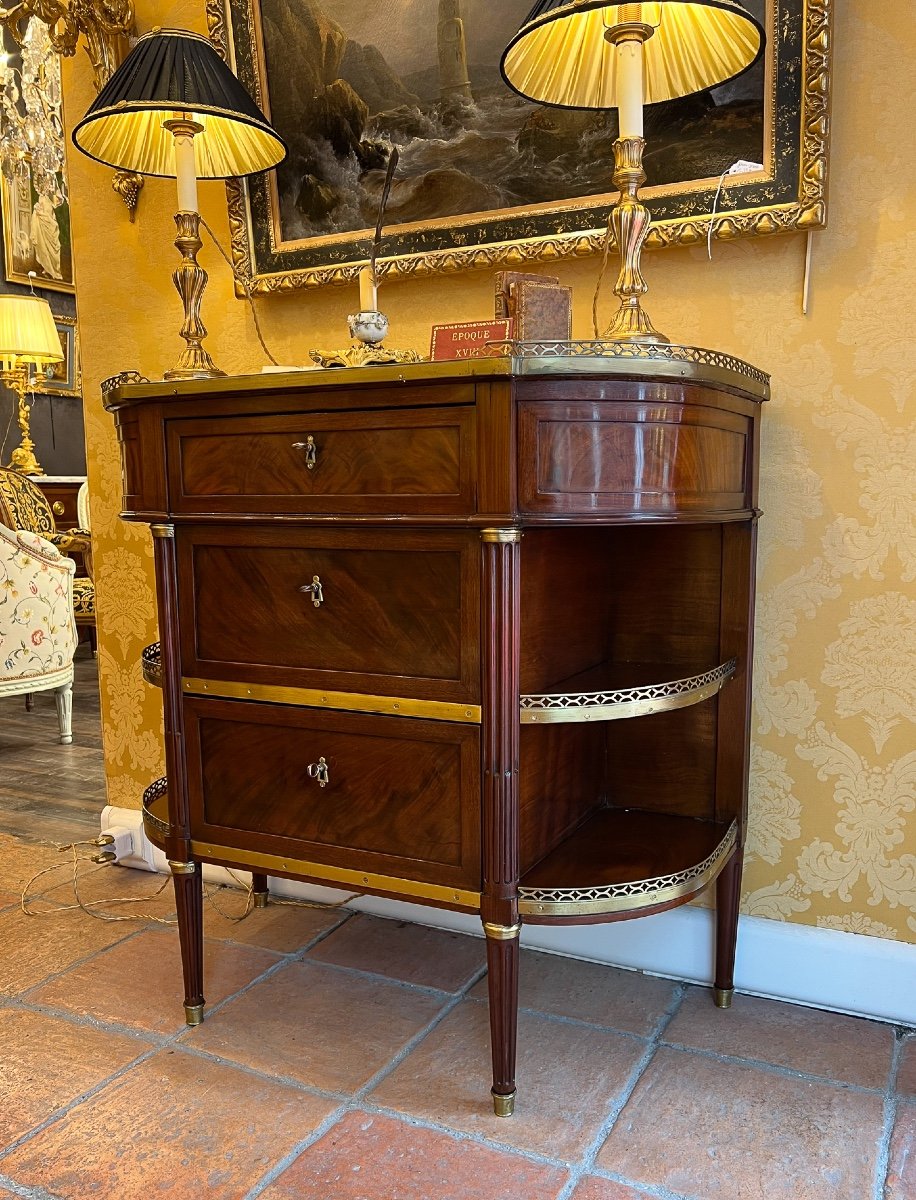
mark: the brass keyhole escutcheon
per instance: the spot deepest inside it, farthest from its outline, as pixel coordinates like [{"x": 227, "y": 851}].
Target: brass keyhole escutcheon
[
  {"x": 316, "y": 591},
  {"x": 319, "y": 772},
  {"x": 311, "y": 452}
]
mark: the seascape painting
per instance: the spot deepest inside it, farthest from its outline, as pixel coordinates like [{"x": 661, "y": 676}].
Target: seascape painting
[
  {"x": 349, "y": 81},
  {"x": 345, "y": 83}
]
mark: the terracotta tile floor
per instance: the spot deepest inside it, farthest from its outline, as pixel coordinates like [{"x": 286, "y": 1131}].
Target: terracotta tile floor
[{"x": 346, "y": 1058}]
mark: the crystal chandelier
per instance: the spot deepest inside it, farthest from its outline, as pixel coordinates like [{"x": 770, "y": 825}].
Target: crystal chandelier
[{"x": 31, "y": 125}]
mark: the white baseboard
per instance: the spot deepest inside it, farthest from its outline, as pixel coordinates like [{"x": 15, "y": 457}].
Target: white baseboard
[{"x": 823, "y": 968}]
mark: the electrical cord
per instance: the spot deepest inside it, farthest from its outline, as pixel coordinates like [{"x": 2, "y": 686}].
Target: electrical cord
[
  {"x": 246, "y": 287},
  {"x": 27, "y": 900}
]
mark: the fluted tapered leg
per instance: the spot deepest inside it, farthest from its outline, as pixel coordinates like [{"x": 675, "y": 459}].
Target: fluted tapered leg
[
  {"x": 502, "y": 963},
  {"x": 728, "y": 898},
  {"x": 189, "y": 902},
  {"x": 500, "y": 733},
  {"x": 259, "y": 891}
]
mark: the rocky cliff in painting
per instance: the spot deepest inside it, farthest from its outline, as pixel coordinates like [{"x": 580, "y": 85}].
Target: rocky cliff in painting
[{"x": 467, "y": 144}]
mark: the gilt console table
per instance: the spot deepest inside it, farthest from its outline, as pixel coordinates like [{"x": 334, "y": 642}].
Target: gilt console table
[{"x": 474, "y": 635}]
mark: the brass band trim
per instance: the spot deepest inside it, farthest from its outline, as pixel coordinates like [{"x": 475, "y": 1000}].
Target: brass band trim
[
  {"x": 503, "y": 1106},
  {"x": 352, "y": 879},
  {"x": 623, "y": 703},
  {"x": 502, "y": 933},
  {"x": 193, "y": 1014},
  {"x": 162, "y": 531},
  {"x": 182, "y": 868},
  {"x": 506, "y": 536},
  {"x": 394, "y": 706},
  {"x": 627, "y": 897}
]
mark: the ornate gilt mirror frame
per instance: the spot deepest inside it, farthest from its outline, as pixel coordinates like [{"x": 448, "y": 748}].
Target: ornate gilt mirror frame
[{"x": 789, "y": 193}]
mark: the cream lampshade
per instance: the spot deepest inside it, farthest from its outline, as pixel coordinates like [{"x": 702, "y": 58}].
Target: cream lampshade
[
  {"x": 591, "y": 55},
  {"x": 28, "y": 337},
  {"x": 174, "y": 108}
]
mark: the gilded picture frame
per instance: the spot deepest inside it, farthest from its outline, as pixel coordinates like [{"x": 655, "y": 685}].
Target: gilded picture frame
[
  {"x": 37, "y": 246},
  {"x": 789, "y": 192},
  {"x": 63, "y": 378}
]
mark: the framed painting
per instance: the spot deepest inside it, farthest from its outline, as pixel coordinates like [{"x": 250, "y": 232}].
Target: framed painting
[
  {"x": 63, "y": 378},
  {"x": 34, "y": 204},
  {"x": 485, "y": 178}
]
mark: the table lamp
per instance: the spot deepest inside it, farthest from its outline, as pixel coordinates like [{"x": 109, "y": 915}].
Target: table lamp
[
  {"x": 28, "y": 337},
  {"x": 174, "y": 108},
  {"x": 591, "y": 55}
]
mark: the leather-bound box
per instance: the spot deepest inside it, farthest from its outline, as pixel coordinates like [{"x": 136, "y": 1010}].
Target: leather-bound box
[
  {"x": 506, "y": 281},
  {"x": 542, "y": 312}
]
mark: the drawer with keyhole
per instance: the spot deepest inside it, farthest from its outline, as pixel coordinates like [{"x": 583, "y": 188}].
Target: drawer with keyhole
[
  {"x": 417, "y": 460},
  {"x": 396, "y": 797},
  {"x": 391, "y": 612}
]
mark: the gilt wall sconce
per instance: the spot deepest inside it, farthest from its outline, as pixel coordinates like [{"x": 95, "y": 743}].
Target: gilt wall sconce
[{"x": 106, "y": 27}]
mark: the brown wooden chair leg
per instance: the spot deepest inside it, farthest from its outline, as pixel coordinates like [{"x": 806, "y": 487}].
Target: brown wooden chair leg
[
  {"x": 259, "y": 891},
  {"x": 29, "y": 701},
  {"x": 502, "y": 981},
  {"x": 189, "y": 902},
  {"x": 728, "y": 898}
]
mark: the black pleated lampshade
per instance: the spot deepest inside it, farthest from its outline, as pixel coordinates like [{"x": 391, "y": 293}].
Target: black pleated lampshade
[
  {"x": 561, "y": 56},
  {"x": 173, "y": 73}
]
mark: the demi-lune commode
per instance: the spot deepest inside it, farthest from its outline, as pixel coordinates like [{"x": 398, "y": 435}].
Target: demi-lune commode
[{"x": 474, "y": 635}]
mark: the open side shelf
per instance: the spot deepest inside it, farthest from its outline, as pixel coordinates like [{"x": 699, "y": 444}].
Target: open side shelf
[
  {"x": 577, "y": 703},
  {"x": 156, "y": 823},
  {"x": 151, "y": 663},
  {"x": 622, "y": 861}
]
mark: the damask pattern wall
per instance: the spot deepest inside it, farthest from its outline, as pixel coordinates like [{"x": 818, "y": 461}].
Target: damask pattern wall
[{"x": 833, "y": 790}]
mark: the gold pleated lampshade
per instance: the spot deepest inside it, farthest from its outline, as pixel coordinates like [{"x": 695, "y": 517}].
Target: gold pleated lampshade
[
  {"x": 175, "y": 73},
  {"x": 27, "y": 330},
  {"x": 561, "y": 55}
]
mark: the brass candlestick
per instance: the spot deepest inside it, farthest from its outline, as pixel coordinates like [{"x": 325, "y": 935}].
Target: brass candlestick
[
  {"x": 23, "y": 457},
  {"x": 190, "y": 279},
  {"x": 630, "y": 221}
]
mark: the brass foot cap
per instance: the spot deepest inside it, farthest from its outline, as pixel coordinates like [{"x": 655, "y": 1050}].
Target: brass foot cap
[
  {"x": 504, "y": 1106},
  {"x": 261, "y": 899},
  {"x": 193, "y": 1013},
  {"x": 723, "y": 997}
]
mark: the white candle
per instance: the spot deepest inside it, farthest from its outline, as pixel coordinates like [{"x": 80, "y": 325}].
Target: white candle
[
  {"x": 368, "y": 292},
  {"x": 630, "y": 87},
  {"x": 186, "y": 170}
]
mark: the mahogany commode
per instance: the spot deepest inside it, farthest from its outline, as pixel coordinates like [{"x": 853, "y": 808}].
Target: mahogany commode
[{"x": 475, "y": 635}]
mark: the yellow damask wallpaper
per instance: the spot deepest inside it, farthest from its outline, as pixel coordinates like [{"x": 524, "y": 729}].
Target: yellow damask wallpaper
[{"x": 833, "y": 825}]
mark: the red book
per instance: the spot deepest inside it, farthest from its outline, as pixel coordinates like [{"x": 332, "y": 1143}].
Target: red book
[{"x": 466, "y": 339}]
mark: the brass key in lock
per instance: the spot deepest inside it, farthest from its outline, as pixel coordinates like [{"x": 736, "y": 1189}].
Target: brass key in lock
[
  {"x": 319, "y": 772},
  {"x": 315, "y": 589}
]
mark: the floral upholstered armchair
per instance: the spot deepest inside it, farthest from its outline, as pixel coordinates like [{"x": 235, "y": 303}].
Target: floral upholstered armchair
[
  {"x": 37, "y": 628},
  {"x": 23, "y": 505}
]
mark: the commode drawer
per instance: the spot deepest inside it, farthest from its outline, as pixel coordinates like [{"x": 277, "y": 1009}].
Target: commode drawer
[
  {"x": 394, "y": 797},
  {"x": 633, "y": 459},
  {"x": 401, "y": 460},
  {"x": 390, "y": 612}
]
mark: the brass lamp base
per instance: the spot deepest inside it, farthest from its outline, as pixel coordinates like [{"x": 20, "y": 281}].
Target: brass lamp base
[
  {"x": 190, "y": 279},
  {"x": 629, "y": 222},
  {"x": 23, "y": 457}
]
